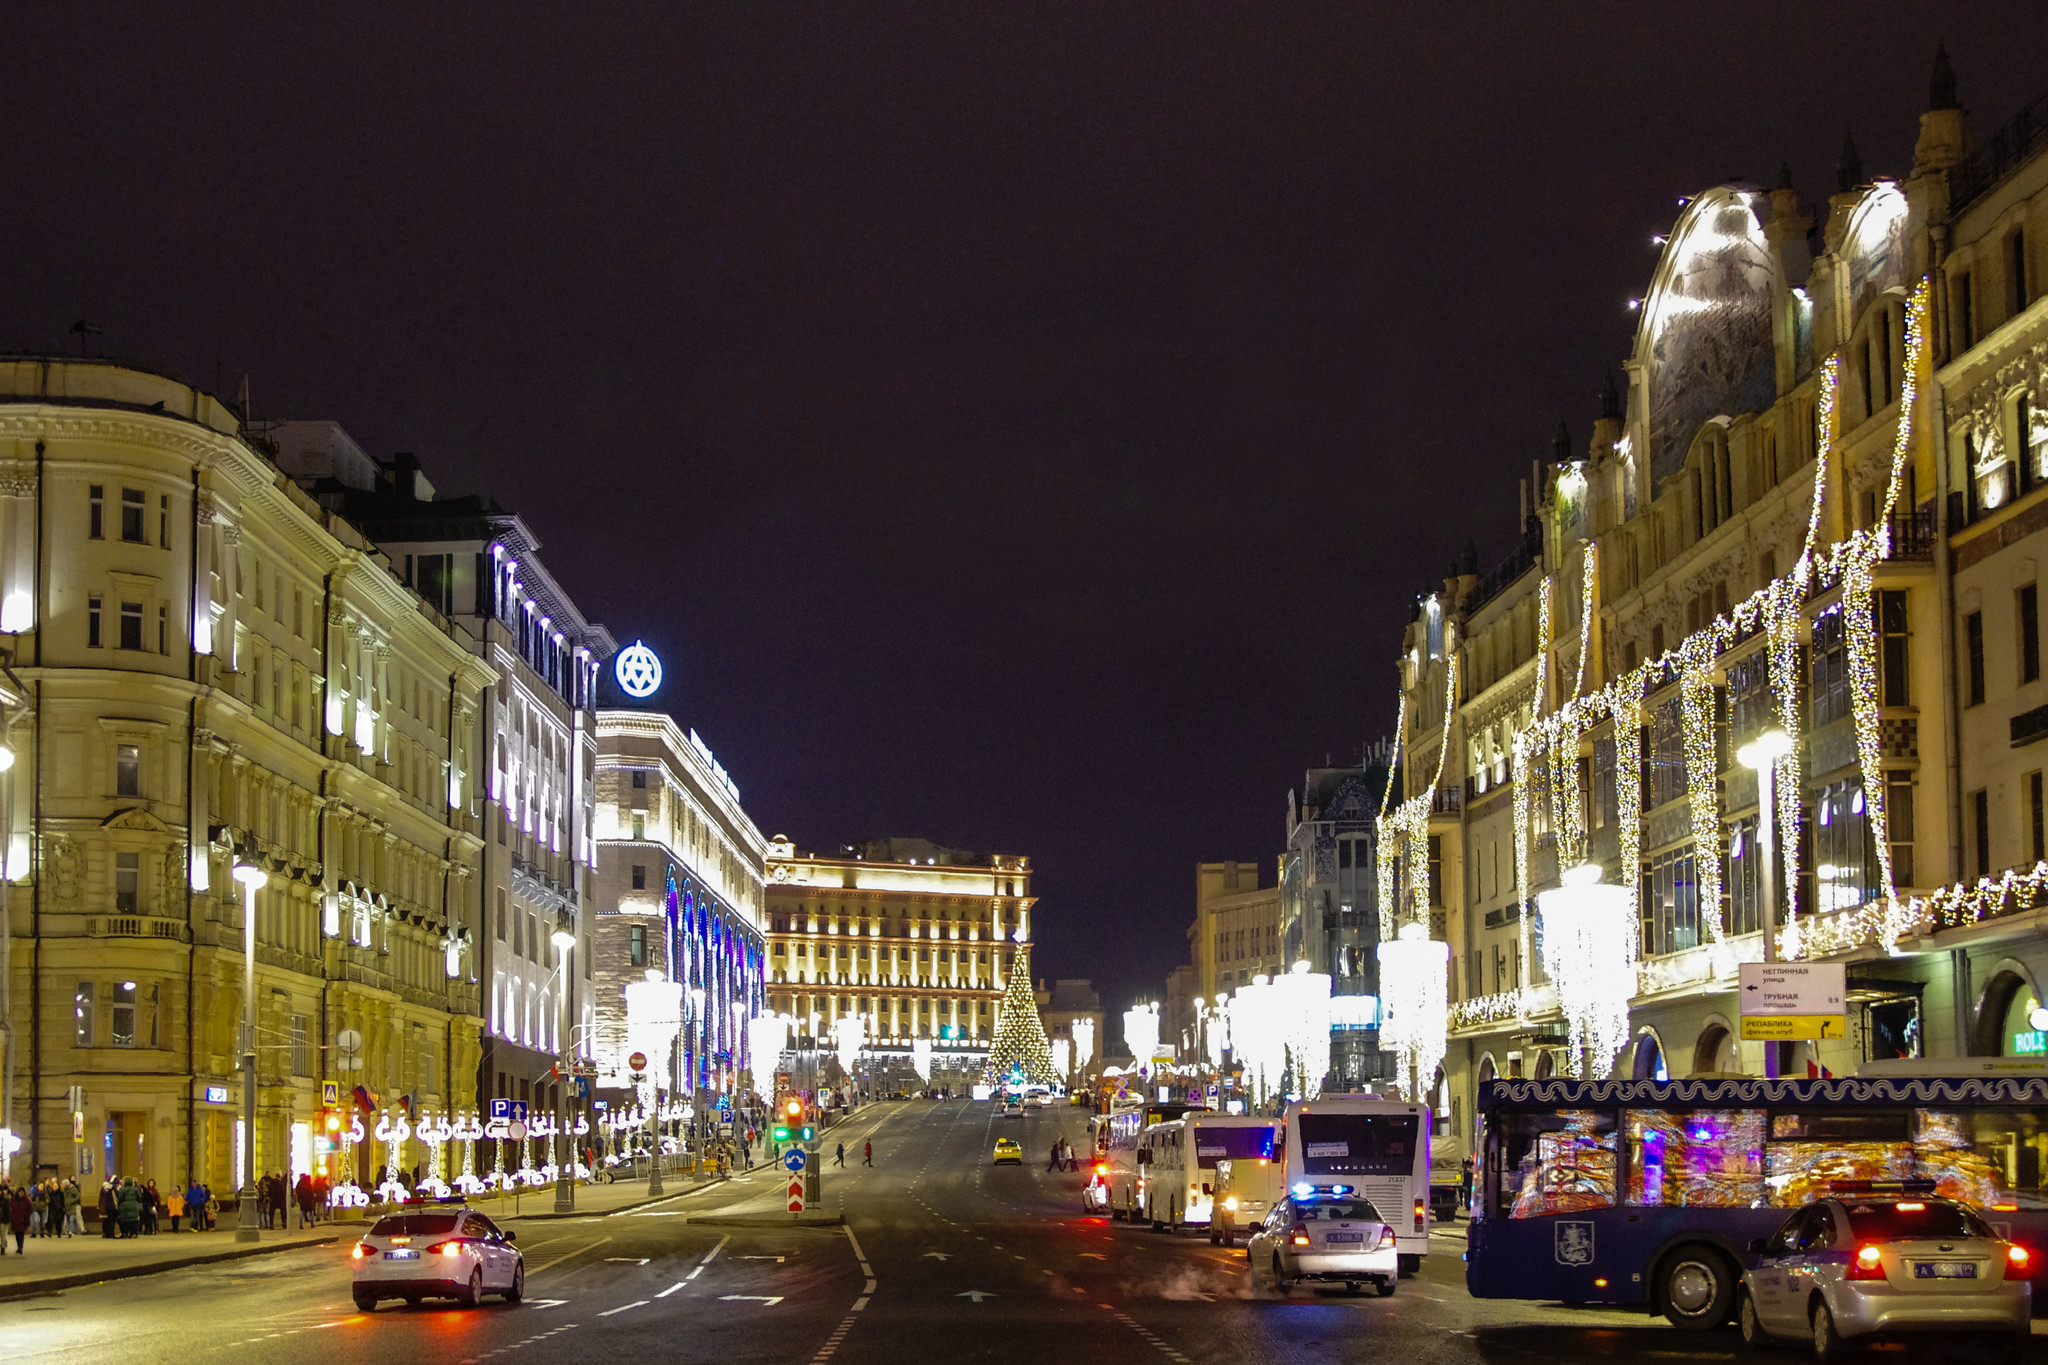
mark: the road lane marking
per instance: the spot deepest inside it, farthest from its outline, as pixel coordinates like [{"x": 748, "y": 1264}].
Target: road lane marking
[
  {"x": 860, "y": 1303},
  {"x": 629, "y": 1260},
  {"x": 693, "y": 1274},
  {"x": 715, "y": 1250},
  {"x": 640, "y": 1303},
  {"x": 769, "y": 1299},
  {"x": 870, "y": 1288},
  {"x": 535, "y": 1270},
  {"x": 671, "y": 1289}
]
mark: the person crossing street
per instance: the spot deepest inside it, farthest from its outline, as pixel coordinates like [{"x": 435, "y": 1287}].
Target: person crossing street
[
  {"x": 839, "y": 1157},
  {"x": 867, "y": 1153}
]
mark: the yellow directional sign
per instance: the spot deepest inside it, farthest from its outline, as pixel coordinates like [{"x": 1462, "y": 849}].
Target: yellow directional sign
[{"x": 1785, "y": 1027}]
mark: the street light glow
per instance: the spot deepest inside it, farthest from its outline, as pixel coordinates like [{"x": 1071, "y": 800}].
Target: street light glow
[
  {"x": 250, "y": 876},
  {"x": 1766, "y": 749}
]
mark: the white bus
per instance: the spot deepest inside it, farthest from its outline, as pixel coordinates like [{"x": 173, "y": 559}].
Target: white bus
[
  {"x": 1238, "y": 1171},
  {"x": 1359, "y": 1144},
  {"x": 1116, "y": 1187}
]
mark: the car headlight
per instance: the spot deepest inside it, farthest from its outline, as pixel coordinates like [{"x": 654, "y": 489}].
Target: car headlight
[{"x": 1231, "y": 1203}]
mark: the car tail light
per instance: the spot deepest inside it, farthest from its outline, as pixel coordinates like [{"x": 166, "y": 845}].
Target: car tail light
[
  {"x": 358, "y": 1251},
  {"x": 451, "y": 1247},
  {"x": 1421, "y": 1214},
  {"x": 1300, "y": 1237},
  {"x": 2016, "y": 1257},
  {"x": 1386, "y": 1238},
  {"x": 1865, "y": 1265}
]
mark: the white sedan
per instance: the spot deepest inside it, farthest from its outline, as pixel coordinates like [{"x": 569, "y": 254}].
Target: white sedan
[
  {"x": 436, "y": 1253},
  {"x": 1330, "y": 1237}
]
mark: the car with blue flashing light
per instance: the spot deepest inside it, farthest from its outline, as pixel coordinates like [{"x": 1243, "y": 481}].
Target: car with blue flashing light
[
  {"x": 436, "y": 1252},
  {"x": 1328, "y": 1234},
  {"x": 1862, "y": 1268},
  {"x": 1377, "y": 1148}
]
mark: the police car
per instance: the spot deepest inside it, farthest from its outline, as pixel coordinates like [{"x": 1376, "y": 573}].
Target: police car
[{"x": 436, "y": 1251}]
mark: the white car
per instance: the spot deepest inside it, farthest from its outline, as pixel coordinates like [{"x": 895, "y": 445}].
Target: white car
[
  {"x": 1339, "y": 1238},
  {"x": 436, "y": 1253}
]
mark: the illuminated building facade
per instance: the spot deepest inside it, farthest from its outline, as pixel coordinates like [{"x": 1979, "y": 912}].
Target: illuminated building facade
[
  {"x": 1816, "y": 504},
  {"x": 680, "y": 951},
  {"x": 914, "y": 938},
  {"x": 211, "y": 669}
]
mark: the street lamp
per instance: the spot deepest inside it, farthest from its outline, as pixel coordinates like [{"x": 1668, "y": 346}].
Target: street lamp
[
  {"x": 252, "y": 879},
  {"x": 1761, "y": 755},
  {"x": 565, "y": 1174}
]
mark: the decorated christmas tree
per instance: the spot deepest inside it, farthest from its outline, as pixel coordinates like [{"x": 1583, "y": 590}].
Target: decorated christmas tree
[{"x": 1019, "y": 1046}]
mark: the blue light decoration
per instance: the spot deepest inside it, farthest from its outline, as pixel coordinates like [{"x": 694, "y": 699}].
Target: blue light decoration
[{"x": 713, "y": 952}]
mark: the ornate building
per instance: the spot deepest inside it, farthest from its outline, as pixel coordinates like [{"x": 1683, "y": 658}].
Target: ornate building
[
  {"x": 213, "y": 670},
  {"x": 1330, "y": 908},
  {"x": 1816, "y": 505},
  {"x": 914, "y": 938}
]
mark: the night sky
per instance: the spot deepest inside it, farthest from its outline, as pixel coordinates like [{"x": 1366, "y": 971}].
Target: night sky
[{"x": 1022, "y": 426}]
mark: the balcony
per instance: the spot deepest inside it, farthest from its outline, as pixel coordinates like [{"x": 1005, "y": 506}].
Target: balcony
[
  {"x": 1997, "y": 156},
  {"x": 1912, "y": 536}
]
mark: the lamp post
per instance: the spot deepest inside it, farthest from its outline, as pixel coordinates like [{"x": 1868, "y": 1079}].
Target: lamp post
[
  {"x": 565, "y": 1173},
  {"x": 252, "y": 879},
  {"x": 1761, "y": 755}
]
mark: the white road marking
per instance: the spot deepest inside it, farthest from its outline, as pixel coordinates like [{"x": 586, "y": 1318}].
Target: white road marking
[
  {"x": 769, "y": 1299},
  {"x": 545, "y": 1303},
  {"x": 860, "y": 1303},
  {"x": 693, "y": 1274},
  {"x": 537, "y": 1269},
  {"x": 870, "y": 1288},
  {"x": 976, "y": 1294},
  {"x": 670, "y": 1290},
  {"x": 641, "y": 1303},
  {"x": 715, "y": 1250},
  {"x": 629, "y": 1260}
]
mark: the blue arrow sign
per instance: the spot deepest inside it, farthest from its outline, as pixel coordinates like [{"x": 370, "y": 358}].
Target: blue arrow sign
[{"x": 794, "y": 1158}]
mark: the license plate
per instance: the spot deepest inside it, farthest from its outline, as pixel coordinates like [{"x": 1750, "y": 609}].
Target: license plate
[
  {"x": 401, "y": 1255},
  {"x": 1346, "y": 1237},
  {"x": 1944, "y": 1270}
]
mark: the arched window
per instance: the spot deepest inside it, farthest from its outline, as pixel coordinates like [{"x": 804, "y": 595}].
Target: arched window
[
  {"x": 1714, "y": 1051},
  {"x": 1649, "y": 1059}
]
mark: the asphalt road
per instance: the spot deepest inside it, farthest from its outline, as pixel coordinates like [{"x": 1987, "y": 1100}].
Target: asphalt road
[{"x": 943, "y": 1257}]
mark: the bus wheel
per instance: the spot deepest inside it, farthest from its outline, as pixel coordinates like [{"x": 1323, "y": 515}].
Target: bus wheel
[
  {"x": 1408, "y": 1264},
  {"x": 1696, "y": 1288}
]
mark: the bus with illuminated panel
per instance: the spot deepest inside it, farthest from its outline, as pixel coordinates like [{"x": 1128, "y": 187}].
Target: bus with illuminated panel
[
  {"x": 1116, "y": 1184},
  {"x": 1368, "y": 1146},
  {"x": 1649, "y": 1193}
]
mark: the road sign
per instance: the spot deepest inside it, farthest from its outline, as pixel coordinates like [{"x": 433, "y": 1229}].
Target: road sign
[
  {"x": 796, "y": 1195},
  {"x": 509, "y": 1109},
  {"x": 638, "y": 1061},
  {"x": 794, "y": 1158},
  {"x": 1774, "y": 989},
  {"x": 516, "y": 1130},
  {"x": 1788, "y": 1027},
  {"x": 330, "y": 1094}
]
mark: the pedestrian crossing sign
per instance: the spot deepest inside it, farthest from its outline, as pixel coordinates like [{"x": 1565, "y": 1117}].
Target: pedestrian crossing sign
[{"x": 330, "y": 1093}]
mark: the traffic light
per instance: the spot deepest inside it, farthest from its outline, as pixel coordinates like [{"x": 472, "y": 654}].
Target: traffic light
[{"x": 789, "y": 1123}]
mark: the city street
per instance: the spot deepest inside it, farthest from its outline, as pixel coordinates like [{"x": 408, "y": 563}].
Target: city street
[{"x": 942, "y": 1257}]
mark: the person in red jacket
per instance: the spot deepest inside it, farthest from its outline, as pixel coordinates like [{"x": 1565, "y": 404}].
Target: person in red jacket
[{"x": 19, "y": 1210}]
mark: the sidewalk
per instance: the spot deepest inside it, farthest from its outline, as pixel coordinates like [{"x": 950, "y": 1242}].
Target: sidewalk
[{"x": 52, "y": 1263}]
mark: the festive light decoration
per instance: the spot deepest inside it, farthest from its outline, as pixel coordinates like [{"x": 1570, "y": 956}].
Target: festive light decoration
[
  {"x": 1304, "y": 1000},
  {"x": 1141, "y": 1034},
  {"x": 1589, "y": 575},
  {"x": 767, "y": 1036},
  {"x": 1586, "y": 930},
  {"x": 849, "y": 1036},
  {"x": 1019, "y": 1042},
  {"x": 1062, "y": 1057},
  {"x": 1414, "y": 1013},
  {"x": 1702, "y": 783},
  {"x": 921, "y": 1058},
  {"x": 1258, "y": 1040},
  {"x": 1084, "y": 1042}
]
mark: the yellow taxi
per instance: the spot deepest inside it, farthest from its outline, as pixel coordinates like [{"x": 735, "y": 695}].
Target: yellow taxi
[{"x": 1008, "y": 1149}]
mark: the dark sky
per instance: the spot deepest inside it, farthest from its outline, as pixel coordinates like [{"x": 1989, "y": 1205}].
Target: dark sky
[{"x": 1022, "y": 425}]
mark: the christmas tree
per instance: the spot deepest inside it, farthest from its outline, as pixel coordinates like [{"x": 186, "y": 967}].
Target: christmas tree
[{"x": 1019, "y": 1044}]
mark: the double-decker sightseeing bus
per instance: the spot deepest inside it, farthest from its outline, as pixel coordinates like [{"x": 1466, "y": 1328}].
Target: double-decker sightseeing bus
[
  {"x": 1115, "y": 1184},
  {"x": 1650, "y": 1192}
]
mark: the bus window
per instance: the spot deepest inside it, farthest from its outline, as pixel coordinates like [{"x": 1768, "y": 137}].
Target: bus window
[
  {"x": 1340, "y": 1143},
  {"x": 1993, "y": 1158},
  {"x": 1696, "y": 1158},
  {"x": 1813, "y": 1150},
  {"x": 1234, "y": 1144},
  {"x": 1561, "y": 1161}
]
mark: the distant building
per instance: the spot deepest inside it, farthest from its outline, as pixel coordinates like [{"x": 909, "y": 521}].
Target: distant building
[
  {"x": 1072, "y": 1010},
  {"x": 1329, "y": 908},
  {"x": 1235, "y": 935}
]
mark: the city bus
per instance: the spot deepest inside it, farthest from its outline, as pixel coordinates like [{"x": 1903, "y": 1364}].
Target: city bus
[
  {"x": 1240, "y": 1166},
  {"x": 1377, "y": 1148},
  {"x": 1116, "y": 1186},
  {"x": 1649, "y": 1192}
]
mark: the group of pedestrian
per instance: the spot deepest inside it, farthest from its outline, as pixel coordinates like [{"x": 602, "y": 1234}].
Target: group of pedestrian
[
  {"x": 199, "y": 1207},
  {"x": 131, "y": 1207},
  {"x": 1063, "y": 1158},
  {"x": 42, "y": 1208},
  {"x": 277, "y": 1195}
]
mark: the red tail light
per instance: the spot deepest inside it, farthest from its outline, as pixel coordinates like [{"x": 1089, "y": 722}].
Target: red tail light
[
  {"x": 1421, "y": 1215},
  {"x": 1386, "y": 1239},
  {"x": 358, "y": 1251},
  {"x": 2016, "y": 1257},
  {"x": 1865, "y": 1265},
  {"x": 1300, "y": 1236},
  {"x": 452, "y": 1247}
]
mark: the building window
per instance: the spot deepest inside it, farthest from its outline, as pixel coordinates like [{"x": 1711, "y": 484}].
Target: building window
[
  {"x": 131, "y": 515},
  {"x": 302, "y": 1052},
  {"x": 128, "y": 770},
  {"x": 82, "y": 1015},
  {"x": 639, "y": 779},
  {"x": 127, "y": 882},
  {"x": 1844, "y": 868},
  {"x": 639, "y": 826},
  {"x": 639, "y": 876},
  {"x": 163, "y": 630},
  {"x": 96, "y": 512},
  {"x": 501, "y": 915},
  {"x": 1745, "y": 896},
  {"x": 1898, "y": 821},
  {"x": 2017, "y": 268},
  {"x": 92, "y": 621},
  {"x": 121, "y": 1019},
  {"x": 1892, "y": 654},
  {"x": 163, "y": 523},
  {"x": 636, "y": 945},
  {"x": 1671, "y": 904},
  {"x": 1973, "y": 635},
  {"x": 2030, "y": 634},
  {"x": 435, "y": 581},
  {"x": 131, "y": 625},
  {"x": 1830, "y": 670},
  {"x": 1980, "y": 811}
]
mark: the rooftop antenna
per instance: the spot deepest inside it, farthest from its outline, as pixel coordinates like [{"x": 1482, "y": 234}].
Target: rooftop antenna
[{"x": 82, "y": 330}]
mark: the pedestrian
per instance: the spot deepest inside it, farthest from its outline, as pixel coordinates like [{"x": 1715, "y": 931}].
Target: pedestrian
[
  {"x": 839, "y": 1158},
  {"x": 195, "y": 1204},
  {"x": 868, "y": 1151},
  {"x": 174, "y": 1205},
  {"x": 1053, "y": 1163},
  {"x": 110, "y": 1216},
  {"x": 39, "y": 1210},
  {"x": 74, "y": 1217},
  {"x": 129, "y": 1205},
  {"x": 152, "y": 1205},
  {"x": 302, "y": 1195},
  {"x": 19, "y": 1211}
]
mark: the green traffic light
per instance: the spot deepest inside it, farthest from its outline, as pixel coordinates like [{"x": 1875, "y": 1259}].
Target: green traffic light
[{"x": 780, "y": 1132}]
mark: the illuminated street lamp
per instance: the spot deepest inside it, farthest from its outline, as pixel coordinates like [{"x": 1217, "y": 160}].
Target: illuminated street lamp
[
  {"x": 565, "y": 1173},
  {"x": 1762, "y": 754},
  {"x": 1587, "y": 949},
  {"x": 252, "y": 879}
]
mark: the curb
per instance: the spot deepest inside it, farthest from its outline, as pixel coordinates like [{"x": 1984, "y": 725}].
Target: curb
[
  {"x": 22, "y": 1289},
  {"x": 765, "y": 1220}
]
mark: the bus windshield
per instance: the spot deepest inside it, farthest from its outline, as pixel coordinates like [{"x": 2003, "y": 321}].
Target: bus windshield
[
  {"x": 1357, "y": 1144},
  {"x": 1234, "y": 1144}
]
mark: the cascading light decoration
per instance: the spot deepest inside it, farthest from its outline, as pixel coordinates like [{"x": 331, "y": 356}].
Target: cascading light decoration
[
  {"x": 767, "y": 1036},
  {"x": 1702, "y": 783},
  {"x": 1587, "y": 928},
  {"x": 1083, "y": 1031},
  {"x": 1405, "y": 833},
  {"x": 1384, "y": 865},
  {"x": 1521, "y": 818},
  {"x": 1257, "y": 1039},
  {"x": 1062, "y": 1057},
  {"x": 1141, "y": 1034},
  {"x": 1589, "y": 563},
  {"x": 1415, "y": 1005},
  {"x": 1305, "y": 1007},
  {"x": 849, "y": 1036},
  {"x": 921, "y": 1058}
]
